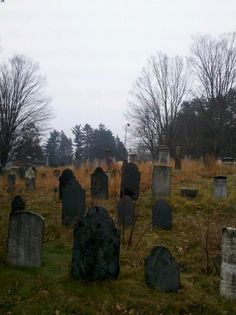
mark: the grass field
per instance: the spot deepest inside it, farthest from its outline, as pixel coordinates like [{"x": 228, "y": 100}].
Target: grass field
[{"x": 51, "y": 290}]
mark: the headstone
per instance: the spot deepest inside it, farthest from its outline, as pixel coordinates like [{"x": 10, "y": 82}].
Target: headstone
[
  {"x": 161, "y": 181},
  {"x": 17, "y": 204},
  {"x": 162, "y": 215},
  {"x": 126, "y": 211},
  {"x": 178, "y": 157},
  {"x": 189, "y": 192},
  {"x": 130, "y": 181},
  {"x": 73, "y": 202},
  {"x": 66, "y": 176},
  {"x": 96, "y": 247},
  {"x": 161, "y": 270},
  {"x": 11, "y": 182},
  {"x": 164, "y": 154},
  {"x": 21, "y": 172},
  {"x": 30, "y": 179},
  {"x": 228, "y": 263},
  {"x": 25, "y": 239},
  {"x": 99, "y": 184},
  {"x": 220, "y": 187}
]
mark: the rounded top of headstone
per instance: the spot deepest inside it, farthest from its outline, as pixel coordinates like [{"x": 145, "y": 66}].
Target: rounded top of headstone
[
  {"x": 98, "y": 170},
  {"x": 220, "y": 177},
  {"x": 17, "y": 204},
  {"x": 67, "y": 174}
]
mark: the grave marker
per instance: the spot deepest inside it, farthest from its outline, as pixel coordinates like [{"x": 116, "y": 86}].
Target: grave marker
[{"x": 99, "y": 184}]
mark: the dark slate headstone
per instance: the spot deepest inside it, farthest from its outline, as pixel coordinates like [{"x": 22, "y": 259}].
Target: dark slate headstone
[
  {"x": 25, "y": 238},
  {"x": 130, "y": 181},
  {"x": 99, "y": 184},
  {"x": 66, "y": 176},
  {"x": 96, "y": 247},
  {"x": 161, "y": 270},
  {"x": 73, "y": 202},
  {"x": 126, "y": 211},
  {"x": 11, "y": 181},
  {"x": 162, "y": 215},
  {"x": 17, "y": 204}
]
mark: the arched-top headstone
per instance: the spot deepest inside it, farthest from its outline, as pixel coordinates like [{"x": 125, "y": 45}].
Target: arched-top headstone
[
  {"x": 73, "y": 202},
  {"x": 66, "y": 176},
  {"x": 130, "y": 181},
  {"x": 162, "y": 214},
  {"x": 25, "y": 238},
  {"x": 17, "y": 204},
  {"x": 161, "y": 270},
  {"x": 99, "y": 184},
  {"x": 96, "y": 247}
]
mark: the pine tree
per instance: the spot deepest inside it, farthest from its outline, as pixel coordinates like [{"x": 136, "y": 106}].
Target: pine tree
[
  {"x": 65, "y": 150},
  {"x": 78, "y": 140},
  {"x": 52, "y": 148}
]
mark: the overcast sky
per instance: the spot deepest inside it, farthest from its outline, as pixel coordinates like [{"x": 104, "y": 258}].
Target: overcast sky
[{"x": 93, "y": 50}]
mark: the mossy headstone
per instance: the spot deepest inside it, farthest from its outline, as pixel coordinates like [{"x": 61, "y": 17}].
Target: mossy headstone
[{"x": 162, "y": 215}]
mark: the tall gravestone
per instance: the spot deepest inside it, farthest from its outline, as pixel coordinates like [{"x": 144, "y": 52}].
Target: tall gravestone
[
  {"x": 161, "y": 270},
  {"x": 161, "y": 181},
  {"x": 96, "y": 246},
  {"x": 99, "y": 184},
  {"x": 25, "y": 238},
  {"x": 164, "y": 154},
  {"x": 162, "y": 215},
  {"x": 130, "y": 181},
  {"x": 228, "y": 263},
  {"x": 220, "y": 187},
  {"x": 11, "y": 182},
  {"x": 66, "y": 177},
  {"x": 126, "y": 211},
  {"x": 21, "y": 172},
  {"x": 73, "y": 202}
]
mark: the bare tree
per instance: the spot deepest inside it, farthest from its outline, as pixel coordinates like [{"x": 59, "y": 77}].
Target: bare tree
[
  {"x": 156, "y": 98},
  {"x": 214, "y": 64},
  {"x": 22, "y": 104}
]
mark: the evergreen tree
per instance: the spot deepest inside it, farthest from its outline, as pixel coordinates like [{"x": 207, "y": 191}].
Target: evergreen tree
[
  {"x": 52, "y": 148},
  {"x": 87, "y": 142},
  {"x": 78, "y": 140},
  {"x": 65, "y": 150}
]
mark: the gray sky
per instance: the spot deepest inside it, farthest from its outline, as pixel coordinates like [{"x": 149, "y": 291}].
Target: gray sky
[{"x": 93, "y": 50}]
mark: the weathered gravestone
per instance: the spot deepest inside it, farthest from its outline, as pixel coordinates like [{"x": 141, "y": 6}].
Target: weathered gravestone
[
  {"x": 126, "y": 211},
  {"x": 161, "y": 181},
  {"x": 130, "y": 181},
  {"x": 25, "y": 237},
  {"x": 11, "y": 182},
  {"x": 228, "y": 263},
  {"x": 66, "y": 176},
  {"x": 96, "y": 247},
  {"x": 73, "y": 202},
  {"x": 99, "y": 184},
  {"x": 17, "y": 204},
  {"x": 30, "y": 183},
  {"x": 220, "y": 186},
  {"x": 164, "y": 154},
  {"x": 161, "y": 270},
  {"x": 162, "y": 215}
]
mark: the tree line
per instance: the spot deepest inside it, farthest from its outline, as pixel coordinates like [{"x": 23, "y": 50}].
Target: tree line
[{"x": 188, "y": 101}]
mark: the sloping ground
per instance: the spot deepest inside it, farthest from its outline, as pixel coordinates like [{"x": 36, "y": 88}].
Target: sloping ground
[{"x": 51, "y": 290}]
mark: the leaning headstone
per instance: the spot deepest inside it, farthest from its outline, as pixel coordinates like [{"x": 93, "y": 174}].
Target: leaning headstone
[
  {"x": 126, "y": 211},
  {"x": 99, "y": 184},
  {"x": 25, "y": 238},
  {"x": 161, "y": 270},
  {"x": 96, "y": 247},
  {"x": 220, "y": 187},
  {"x": 73, "y": 202},
  {"x": 228, "y": 263},
  {"x": 161, "y": 181},
  {"x": 162, "y": 215},
  {"x": 130, "y": 181},
  {"x": 11, "y": 182},
  {"x": 17, "y": 204}
]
